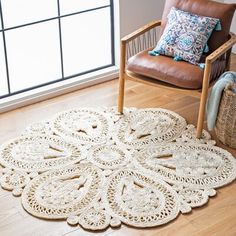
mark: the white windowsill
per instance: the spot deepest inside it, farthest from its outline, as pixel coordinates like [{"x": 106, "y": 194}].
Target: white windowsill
[{"x": 59, "y": 88}]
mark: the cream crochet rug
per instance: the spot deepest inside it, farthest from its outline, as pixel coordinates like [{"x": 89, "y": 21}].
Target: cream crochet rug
[{"x": 95, "y": 168}]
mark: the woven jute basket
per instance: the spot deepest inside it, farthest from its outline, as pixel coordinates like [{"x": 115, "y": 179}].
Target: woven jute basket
[{"x": 226, "y": 120}]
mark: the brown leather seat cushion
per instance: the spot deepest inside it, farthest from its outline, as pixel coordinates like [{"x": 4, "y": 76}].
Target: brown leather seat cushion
[{"x": 179, "y": 73}]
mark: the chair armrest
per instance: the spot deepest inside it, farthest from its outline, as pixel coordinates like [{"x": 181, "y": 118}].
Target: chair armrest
[
  {"x": 140, "y": 31},
  {"x": 222, "y": 49},
  {"x": 206, "y": 78}
]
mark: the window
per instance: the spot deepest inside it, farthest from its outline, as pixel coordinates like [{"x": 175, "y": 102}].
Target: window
[{"x": 46, "y": 41}]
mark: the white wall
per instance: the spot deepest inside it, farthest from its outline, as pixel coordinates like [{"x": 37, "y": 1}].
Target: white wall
[
  {"x": 233, "y": 26},
  {"x": 136, "y": 13},
  {"x": 133, "y": 14}
]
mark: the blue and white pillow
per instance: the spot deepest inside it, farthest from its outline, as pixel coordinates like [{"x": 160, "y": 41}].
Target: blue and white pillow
[{"x": 185, "y": 36}]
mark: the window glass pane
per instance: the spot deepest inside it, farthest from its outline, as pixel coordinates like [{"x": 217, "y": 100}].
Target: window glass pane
[
  {"x": 33, "y": 55},
  {"x": 86, "y": 41},
  {"x": 69, "y": 6},
  {"x": 0, "y": 23},
  {"x": 3, "y": 76},
  {"x": 18, "y": 12}
]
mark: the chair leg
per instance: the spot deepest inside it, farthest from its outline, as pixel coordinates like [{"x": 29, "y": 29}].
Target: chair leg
[
  {"x": 122, "y": 77},
  {"x": 121, "y": 93},
  {"x": 228, "y": 63},
  {"x": 201, "y": 113}
]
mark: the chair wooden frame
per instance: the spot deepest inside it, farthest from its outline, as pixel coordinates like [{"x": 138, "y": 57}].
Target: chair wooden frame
[{"x": 124, "y": 74}]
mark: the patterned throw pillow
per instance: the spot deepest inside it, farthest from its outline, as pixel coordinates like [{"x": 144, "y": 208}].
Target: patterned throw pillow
[{"x": 185, "y": 36}]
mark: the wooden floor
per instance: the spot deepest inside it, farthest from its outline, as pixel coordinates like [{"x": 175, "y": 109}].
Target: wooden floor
[{"x": 217, "y": 218}]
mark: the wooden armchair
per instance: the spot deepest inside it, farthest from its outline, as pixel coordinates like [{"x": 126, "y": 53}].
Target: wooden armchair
[{"x": 136, "y": 64}]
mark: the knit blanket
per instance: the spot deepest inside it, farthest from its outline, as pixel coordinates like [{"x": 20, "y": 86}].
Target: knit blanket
[{"x": 215, "y": 97}]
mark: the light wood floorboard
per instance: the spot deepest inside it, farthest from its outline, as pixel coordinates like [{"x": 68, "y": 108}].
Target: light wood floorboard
[{"x": 217, "y": 218}]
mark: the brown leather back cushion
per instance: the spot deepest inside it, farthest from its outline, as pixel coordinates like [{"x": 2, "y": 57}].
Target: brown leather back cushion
[{"x": 221, "y": 11}]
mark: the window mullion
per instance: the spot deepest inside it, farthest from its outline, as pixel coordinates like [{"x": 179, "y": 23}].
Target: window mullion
[
  {"x": 60, "y": 38},
  {"x": 5, "y": 50}
]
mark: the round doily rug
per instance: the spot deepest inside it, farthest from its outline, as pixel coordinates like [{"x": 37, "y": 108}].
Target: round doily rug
[{"x": 96, "y": 168}]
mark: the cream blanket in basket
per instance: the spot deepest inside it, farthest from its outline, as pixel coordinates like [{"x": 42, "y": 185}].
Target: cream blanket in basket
[{"x": 215, "y": 97}]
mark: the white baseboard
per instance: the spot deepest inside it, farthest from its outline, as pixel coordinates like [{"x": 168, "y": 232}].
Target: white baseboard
[{"x": 50, "y": 91}]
